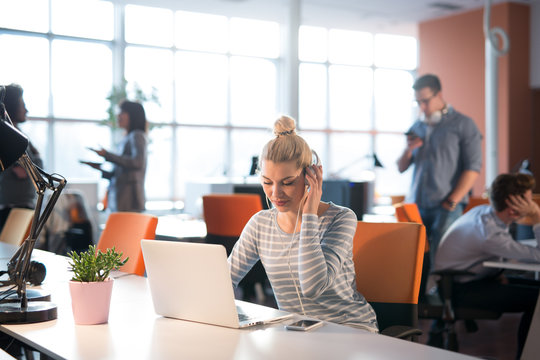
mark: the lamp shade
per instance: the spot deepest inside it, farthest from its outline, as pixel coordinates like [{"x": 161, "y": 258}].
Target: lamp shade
[{"x": 13, "y": 144}]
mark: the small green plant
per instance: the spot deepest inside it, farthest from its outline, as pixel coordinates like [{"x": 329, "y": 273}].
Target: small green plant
[{"x": 92, "y": 265}]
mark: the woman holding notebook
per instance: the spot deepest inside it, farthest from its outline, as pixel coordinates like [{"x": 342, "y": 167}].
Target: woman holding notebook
[{"x": 304, "y": 244}]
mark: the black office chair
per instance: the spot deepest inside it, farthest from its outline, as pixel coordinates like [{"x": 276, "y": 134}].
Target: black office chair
[{"x": 441, "y": 307}]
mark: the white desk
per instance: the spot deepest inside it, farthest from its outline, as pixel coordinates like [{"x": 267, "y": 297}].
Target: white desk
[
  {"x": 513, "y": 265},
  {"x": 532, "y": 345},
  {"x": 134, "y": 331}
]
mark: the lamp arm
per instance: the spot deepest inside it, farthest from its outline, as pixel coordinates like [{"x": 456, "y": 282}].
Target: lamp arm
[{"x": 42, "y": 181}]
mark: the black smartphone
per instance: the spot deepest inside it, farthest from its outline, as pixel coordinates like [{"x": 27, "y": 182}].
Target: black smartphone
[
  {"x": 411, "y": 134},
  {"x": 304, "y": 325}
]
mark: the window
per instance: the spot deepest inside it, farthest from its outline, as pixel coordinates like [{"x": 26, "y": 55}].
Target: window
[
  {"x": 253, "y": 91},
  {"x": 201, "y": 32},
  {"x": 81, "y": 75},
  {"x": 25, "y": 61},
  {"x": 313, "y": 100},
  {"x": 211, "y": 87},
  {"x": 149, "y": 25},
  {"x": 202, "y": 88},
  {"x": 357, "y": 87},
  {"x": 36, "y": 15},
  {"x": 154, "y": 77},
  {"x": 350, "y": 91},
  {"x": 81, "y": 18}
]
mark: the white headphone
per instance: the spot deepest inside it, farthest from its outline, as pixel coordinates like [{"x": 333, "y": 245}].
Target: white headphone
[{"x": 435, "y": 117}]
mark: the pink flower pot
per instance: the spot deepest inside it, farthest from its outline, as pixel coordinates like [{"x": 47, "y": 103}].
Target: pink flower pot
[{"x": 91, "y": 301}]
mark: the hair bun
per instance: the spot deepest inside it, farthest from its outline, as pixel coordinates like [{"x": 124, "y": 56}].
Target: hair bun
[{"x": 284, "y": 126}]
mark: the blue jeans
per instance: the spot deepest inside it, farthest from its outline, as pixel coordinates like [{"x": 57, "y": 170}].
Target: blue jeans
[{"x": 437, "y": 220}]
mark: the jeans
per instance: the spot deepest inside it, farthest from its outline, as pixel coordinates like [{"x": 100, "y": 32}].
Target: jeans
[{"x": 436, "y": 220}]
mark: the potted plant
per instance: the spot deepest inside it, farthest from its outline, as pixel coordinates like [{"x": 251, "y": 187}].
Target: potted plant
[{"x": 91, "y": 287}]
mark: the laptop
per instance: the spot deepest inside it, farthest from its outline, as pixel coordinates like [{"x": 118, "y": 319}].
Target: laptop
[{"x": 191, "y": 281}]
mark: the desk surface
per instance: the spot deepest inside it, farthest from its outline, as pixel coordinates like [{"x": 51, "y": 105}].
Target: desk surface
[
  {"x": 513, "y": 265},
  {"x": 135, "y": 331}
]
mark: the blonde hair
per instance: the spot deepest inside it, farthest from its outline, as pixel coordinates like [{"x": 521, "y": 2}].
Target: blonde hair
[{"x": 287, "y": 145}]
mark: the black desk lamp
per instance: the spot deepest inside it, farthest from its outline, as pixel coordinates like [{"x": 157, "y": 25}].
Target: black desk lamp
[{"x": 13, "y": 146}]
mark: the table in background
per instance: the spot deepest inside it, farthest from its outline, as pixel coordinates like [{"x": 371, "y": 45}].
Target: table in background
[
  {"x": 134, "y": 331},
  {"x": 180, "y": 227}
]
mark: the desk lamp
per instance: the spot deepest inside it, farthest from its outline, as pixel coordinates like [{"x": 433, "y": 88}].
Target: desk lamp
[{"x": 13, "y": 145}]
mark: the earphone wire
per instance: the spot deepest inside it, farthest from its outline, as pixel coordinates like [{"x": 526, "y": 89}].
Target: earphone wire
[
  {"x": 289, "y": 261},
  {"x": 291, "y": 245}
]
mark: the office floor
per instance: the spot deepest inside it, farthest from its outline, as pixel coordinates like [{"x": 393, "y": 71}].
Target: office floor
[{"x": 494, "y": 340}]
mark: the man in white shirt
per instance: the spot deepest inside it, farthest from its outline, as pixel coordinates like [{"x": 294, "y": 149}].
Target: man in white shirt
[{"x": 482, "y": 235}]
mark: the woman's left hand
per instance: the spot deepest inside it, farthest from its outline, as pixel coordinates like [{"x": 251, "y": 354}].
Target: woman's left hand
[
  {"x": 313, "y": 195},
  {"x": 100, "y": 152}
]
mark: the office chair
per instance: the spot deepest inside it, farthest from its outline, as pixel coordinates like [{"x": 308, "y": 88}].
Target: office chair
[
  {"x": 17, "y": 226},
  {"x": 408, "y": 212},
  {"x": 124, "y": 231},
  {"x": 440, "y": 306},
  {"x": 475, "y": 201},
  {"x": 449, "y": 314},
  {"x": 225, "y": 216},
  {"x": 388, "y": 265}
]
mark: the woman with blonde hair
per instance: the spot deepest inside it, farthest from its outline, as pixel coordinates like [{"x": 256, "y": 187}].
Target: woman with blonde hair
[{"x": 304, "y": 244}]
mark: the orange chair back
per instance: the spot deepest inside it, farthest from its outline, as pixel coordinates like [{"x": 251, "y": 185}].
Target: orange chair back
[
  {"x": 388, "y": 259},
  {"x": 227, "y": 214},
  {"x": 408, "y": 212},
  {"x": 124, "y": 231},
  {"x": 475, "y": 201}
]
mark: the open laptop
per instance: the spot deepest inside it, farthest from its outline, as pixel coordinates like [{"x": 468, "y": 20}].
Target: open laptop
[{"x": 191, "y": 281}]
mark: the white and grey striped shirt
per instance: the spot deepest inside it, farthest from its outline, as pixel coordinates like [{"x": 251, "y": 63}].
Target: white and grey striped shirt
[{"x": 321, "y": 264}]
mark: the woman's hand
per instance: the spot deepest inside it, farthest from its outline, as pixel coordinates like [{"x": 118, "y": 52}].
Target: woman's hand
[
  {"x": 100, "y": 152},
  {"x": 313, "y": 195},
  {"x": 95, "y": 165}
]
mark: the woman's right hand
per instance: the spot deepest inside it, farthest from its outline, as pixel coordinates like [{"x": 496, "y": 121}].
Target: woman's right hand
[
  {"x": 100, "y": 152},
  {"x": 95, "y": 165}
]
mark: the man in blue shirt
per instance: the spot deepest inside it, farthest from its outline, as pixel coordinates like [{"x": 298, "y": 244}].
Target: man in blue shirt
[
  {"x": 482, "y": 235},
  {"x": 445, "y": 148}
]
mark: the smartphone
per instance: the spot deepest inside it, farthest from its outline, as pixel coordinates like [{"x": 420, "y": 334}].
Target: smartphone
[
  {"x": 304, "y": 325},
  {"x": 91, "y": 163},
  {"x": 411, "y": 134}
]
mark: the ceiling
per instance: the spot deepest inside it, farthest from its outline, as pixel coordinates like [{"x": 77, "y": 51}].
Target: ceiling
[
  {"x": 401, "y": 16},
  {"x": 405, "y": 10}
]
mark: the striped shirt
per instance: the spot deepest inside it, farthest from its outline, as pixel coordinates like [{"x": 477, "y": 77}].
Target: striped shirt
[{"x": 314, "y": 265}]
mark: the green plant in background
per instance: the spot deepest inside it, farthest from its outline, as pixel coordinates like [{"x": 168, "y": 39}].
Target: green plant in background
[
  {"x": 119, "y": 93},
  {"x": 92, "y": 265}
]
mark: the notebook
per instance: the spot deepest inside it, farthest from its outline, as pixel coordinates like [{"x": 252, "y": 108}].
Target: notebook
[{"x": 191, "y": 281}]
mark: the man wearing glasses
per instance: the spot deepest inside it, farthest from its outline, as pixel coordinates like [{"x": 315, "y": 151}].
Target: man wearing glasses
[{"x": 445, "y": 148}]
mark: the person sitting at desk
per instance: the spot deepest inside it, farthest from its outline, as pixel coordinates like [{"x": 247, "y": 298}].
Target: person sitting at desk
[
  {"x": 305, "y": 245},
  {"x": 482, "y": 234}
]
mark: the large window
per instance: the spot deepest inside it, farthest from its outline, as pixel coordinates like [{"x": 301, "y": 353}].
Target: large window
[
  {"x": 211, "y": 86},
  {"x": 358, "y": 87}
]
